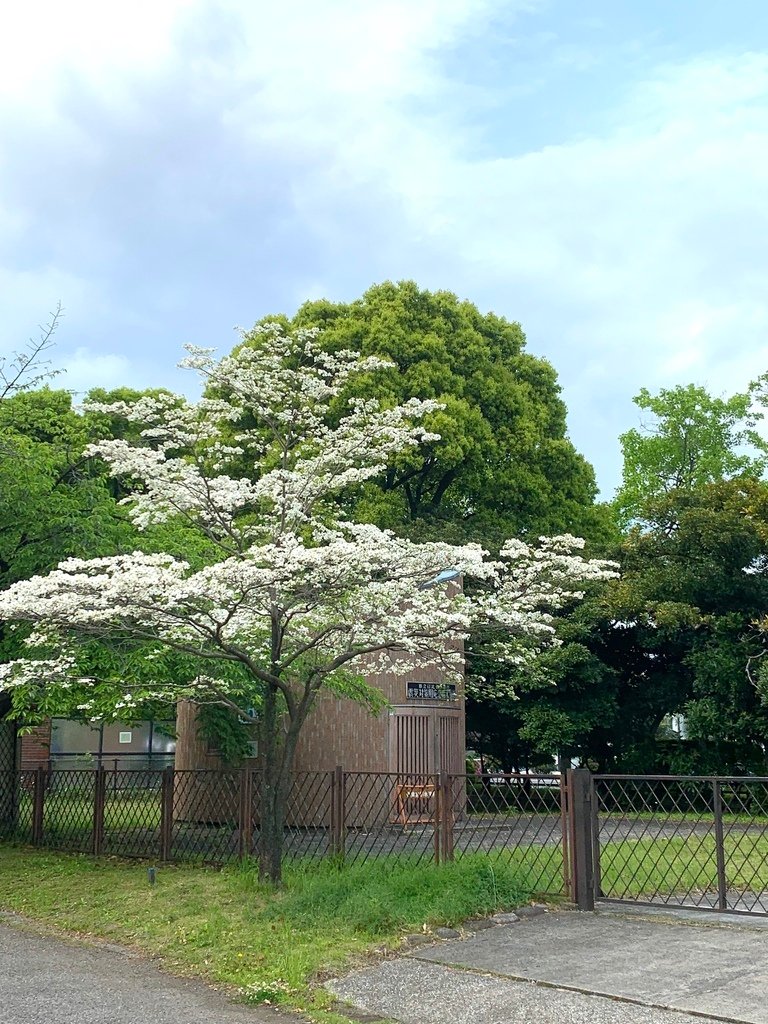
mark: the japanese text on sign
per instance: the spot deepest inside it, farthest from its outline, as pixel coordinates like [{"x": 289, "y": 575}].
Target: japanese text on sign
[{"x": 430, "y": 691}]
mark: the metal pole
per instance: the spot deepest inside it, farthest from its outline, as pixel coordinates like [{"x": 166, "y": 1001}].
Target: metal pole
[
  {"x": 338, "y": 809},
  {"x": 436, "y": 816},
  {"x": 598, "y": 879},
  {"x": 99, "y": 801},
  {"x": 567, "y": 888},
  {"x": 722, "y": 884},
  {"x": 38, "y": 806},
  {"x": 446, "y": 809},
  {"x": 166, "y": 813}
]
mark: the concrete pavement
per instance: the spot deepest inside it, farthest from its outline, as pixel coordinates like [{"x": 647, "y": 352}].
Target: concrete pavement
[
  {"x": 578, "y": 969},
  {"x": 49, "y": 980}
]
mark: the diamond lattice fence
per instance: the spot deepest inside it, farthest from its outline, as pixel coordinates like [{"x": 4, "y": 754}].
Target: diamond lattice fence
[
  {"x": 68, "y": 809},
  {"x": 684, "y": 841},
  {"x": 518, "y": 817},
  {"x": 132, "y": 813}
]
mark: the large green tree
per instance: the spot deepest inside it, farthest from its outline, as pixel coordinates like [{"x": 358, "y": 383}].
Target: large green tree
[
  {"x": 54, "y": 503},
  {"x": 504, "y": 464},
  {"x": 296, "y": 600},
  {"x": 690, "y": 438},
  {"x": 676, "y": 634}
]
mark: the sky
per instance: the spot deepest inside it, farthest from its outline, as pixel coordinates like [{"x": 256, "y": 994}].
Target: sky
[{"x": 598, "y": 171}]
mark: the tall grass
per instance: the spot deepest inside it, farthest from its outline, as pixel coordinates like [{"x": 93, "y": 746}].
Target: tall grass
[
  {"x": 383, "y": 896},
  {"x": 228, "y": 927}
]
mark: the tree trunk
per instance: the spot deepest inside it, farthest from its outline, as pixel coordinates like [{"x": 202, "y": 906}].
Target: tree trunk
[
  {"x": 274, "y": 799},
  {"x": 275, "y": 783},
  {"x": 279, "y": 752}
]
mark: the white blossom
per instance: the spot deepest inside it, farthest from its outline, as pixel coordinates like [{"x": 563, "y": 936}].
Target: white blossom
[{"x": 295, "y": 594}]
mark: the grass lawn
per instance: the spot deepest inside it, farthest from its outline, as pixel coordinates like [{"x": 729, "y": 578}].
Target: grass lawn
[
  {"x": 679, "y": 865},
  {"x": 226, "y": 927}
]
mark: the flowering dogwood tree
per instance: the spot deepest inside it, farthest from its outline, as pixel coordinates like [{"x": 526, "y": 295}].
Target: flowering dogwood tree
[{"x": 288, "y": 599}]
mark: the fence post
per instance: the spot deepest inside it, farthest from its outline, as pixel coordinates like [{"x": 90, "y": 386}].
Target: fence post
[
  {"x": 446, "y": 814},
  {"x": 99, "y": 800},
  {"x": 564, "y": 838},
  {"x": 436, "y": 816},
  {"x": 166, "y": 813},
  {"x": 582, "y": 810},
  {"x": 717, "y": 807},
  {"x": 246, "y": 813},
  {"x": 38, "y": 806},
  {"x": 338, "y": 812}
]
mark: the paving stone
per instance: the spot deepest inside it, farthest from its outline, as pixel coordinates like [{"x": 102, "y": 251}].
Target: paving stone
[
  {"x": 356, "y": 1014},
  {"x": 532, "y": 911},
  {"x": 478, "y": 924}
]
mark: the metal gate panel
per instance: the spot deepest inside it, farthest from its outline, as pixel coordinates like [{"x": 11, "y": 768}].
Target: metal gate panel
[{"x": 699, "y": 842}]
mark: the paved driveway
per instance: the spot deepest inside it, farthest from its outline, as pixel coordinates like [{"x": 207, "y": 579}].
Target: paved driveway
[
  {"x": 47, "y": 980},
  {"x": 578, "y": 969}
]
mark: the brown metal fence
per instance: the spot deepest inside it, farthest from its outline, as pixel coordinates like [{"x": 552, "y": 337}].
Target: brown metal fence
[
  {"x": 691, "y": 841},
  {"x": 675, "y": 840},
  {"x": 213, "y": 816}
]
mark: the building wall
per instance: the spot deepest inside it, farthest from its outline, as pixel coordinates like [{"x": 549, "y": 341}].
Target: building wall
[
  {"x": 411, "y": 741},
  {"x": 405, "y": 742},
  {"x": 35, "y": 747},
  {"x": 342, "y": 732}
]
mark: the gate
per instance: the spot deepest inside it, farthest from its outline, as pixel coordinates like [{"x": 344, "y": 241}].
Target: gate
[{"x": 685, "y": 841}]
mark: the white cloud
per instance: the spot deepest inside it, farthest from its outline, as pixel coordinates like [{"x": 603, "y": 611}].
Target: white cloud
[
  {"x": 334, "y": 145},
  {"x": 637, "y": 257},
  {"x": 44, "y": 41},
  {"x": 85, "y": 369}
]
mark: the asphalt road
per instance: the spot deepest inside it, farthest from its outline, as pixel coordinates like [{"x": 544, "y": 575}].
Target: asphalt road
[{"x": 48, "y": 980}]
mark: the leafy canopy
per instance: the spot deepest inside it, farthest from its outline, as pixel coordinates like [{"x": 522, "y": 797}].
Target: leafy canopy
[
  {"x": 284, "y": 597},
  {"x": 503, "y": 465},
  {"x": 692, "y": 439}
]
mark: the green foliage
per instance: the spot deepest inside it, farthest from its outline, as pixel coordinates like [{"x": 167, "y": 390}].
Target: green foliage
[
  {"x": 674, "y": 635},
  {"x": 504, "y": 465},
  {"x": 225, "y": 732},
  {"x": 692, "y": 440},
  {"x": 385, "y": 894},
  {"x": 54, "y": 502},
  {"x": 689, "y": 597},
  {"x": 568, "y": 709}
]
